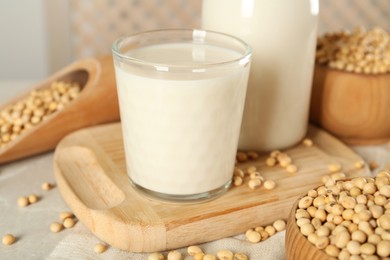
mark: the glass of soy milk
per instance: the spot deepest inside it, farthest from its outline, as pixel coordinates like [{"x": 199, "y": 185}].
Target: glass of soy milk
[{"x": 181, "y": 96}]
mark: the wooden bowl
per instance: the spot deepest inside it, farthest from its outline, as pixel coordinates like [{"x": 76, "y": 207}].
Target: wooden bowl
[
  {"x": 297, "y": 245},
  {"x": 353, "y": 107}
]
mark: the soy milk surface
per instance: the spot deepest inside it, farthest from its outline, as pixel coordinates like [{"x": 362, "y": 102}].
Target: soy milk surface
[{"x": 181, "y": 131}]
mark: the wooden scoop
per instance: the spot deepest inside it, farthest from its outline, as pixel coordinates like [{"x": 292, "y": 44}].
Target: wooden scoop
[{"x": 97, "y": 104}]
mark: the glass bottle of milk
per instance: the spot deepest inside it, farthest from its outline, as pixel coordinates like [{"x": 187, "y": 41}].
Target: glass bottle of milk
[{"x": 283, "y": 36}]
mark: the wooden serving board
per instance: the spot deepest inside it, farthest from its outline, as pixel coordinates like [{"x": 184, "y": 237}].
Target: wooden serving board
[{"x": 91, "y": 175}]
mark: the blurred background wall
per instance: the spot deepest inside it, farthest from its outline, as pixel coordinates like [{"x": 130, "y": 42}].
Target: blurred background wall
[
  {"x": 34, "y": 38},
  {"x": 39, "y": 37}
]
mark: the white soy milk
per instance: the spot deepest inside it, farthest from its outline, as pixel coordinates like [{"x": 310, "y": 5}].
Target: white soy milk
[
  {"x": 282, "y": 34},
  {"x": 181, "y": 129}
]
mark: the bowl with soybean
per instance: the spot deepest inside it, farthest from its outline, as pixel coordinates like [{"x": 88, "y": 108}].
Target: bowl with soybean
[
  {"x": 351, "y": 85},
  {"x": 354, "y": 107},
  {"x": 297, "y": 245},
  {"x": 342, "y": 219}
]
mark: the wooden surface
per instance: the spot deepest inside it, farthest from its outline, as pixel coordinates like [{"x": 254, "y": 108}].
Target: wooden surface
[
  {"x": 91, "y": 176},
  {"x": 297, "y": 245},
  {"x": 353, "y": 107},
  {"x": 97, "y": 103}
]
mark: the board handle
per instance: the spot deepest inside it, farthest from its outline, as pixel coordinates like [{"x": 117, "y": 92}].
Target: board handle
[{"x": 88, "y": 180}]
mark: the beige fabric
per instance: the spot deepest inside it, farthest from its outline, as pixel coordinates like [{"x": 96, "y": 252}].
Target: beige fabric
[
  {"x": 79, "y": 245},
  {"x": 31, "y": 224}
]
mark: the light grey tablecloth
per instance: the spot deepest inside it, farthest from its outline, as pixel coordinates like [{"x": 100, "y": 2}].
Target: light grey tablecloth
[{"x": 31, "y": 224}]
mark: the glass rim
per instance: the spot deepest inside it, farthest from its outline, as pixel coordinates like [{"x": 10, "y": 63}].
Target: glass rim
[{"x": 242, "y": 59}]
